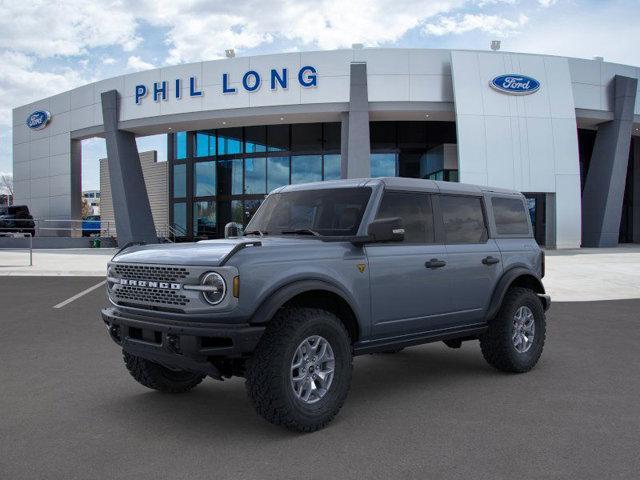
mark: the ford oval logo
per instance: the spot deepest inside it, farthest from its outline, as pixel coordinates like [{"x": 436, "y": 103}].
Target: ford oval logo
[
  {"x": 38, "y": 119},
  {"x": 515, "y": 84}
]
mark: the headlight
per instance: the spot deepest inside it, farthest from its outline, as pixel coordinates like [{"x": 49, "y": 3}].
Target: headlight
[{"x": 215, "y": 288}]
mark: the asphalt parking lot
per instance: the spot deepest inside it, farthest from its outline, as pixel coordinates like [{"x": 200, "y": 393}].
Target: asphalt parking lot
[{"x": 69, "y": 410}]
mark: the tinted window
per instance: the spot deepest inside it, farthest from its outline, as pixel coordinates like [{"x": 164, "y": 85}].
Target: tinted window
[
  {"x": 255, "y": 139},
  {"x": 415, "y": 211},
  {"x": 511, "y": 218},
  {"x": 463, "y": 219},
  {"x": 327, "y": 211},
  {"x": 306, "y": 136}
]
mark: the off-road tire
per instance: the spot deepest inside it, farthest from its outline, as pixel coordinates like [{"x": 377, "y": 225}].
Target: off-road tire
[
  {"x": 268, "y": 380},
  {"x": 496, "y": 343},
  {"x": 157, "y": 377}
]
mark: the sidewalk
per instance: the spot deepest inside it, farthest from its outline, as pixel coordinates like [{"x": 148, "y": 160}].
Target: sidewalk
[
  {"x": 572, "y": 275},
  {"x": 89, "y": 262}
]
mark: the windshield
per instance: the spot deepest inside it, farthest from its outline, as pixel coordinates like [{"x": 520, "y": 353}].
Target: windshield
[{"x": 326, "y": 212}]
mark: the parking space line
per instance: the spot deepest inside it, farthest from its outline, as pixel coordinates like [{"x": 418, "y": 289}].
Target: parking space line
[{"x": 77, "y": 296}]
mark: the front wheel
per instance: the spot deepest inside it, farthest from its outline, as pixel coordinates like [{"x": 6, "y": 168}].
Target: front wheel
[
  {"x": 515, "y": 337},
  {"x": 300, "y": 372},
  {"x": 158, "y": 377}
]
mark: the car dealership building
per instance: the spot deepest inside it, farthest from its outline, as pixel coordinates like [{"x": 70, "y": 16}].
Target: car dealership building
[{"x": 564, "y": 131}]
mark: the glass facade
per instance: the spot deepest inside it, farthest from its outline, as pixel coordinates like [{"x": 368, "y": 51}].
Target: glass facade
[
  {"x": 223, "y": 175},
  {"x": 399, "y": 148},
  {"x": 219, "y": 176}
]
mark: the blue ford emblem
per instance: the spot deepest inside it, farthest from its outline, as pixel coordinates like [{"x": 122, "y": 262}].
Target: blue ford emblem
[
  {"x": 38, "y": 119},
  {"x": 515, "y": 84}
]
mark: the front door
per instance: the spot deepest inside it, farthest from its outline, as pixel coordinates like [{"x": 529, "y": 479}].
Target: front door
[{"x": 409, "y": 285}]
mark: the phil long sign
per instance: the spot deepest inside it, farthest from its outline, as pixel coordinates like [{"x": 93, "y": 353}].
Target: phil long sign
[
  {"x": 515, "y": 84},
  {"x": 250, "y": 81}
]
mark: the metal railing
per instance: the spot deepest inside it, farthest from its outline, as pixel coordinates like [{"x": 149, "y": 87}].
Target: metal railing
[
  {"x": 171, "y": 232},
  {"x": 50, "y": 228}
]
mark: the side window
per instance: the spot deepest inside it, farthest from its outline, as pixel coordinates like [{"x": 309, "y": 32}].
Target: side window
[
  {"x": 463, "y": 219},
  {"x": 510, "y": 216},
  {"x": 415, "y": 211}
]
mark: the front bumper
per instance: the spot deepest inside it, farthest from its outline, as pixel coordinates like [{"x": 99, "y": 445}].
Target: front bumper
[{"x": 184, "y": 345}]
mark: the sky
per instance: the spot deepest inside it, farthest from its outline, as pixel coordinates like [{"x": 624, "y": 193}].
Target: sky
[{"x": 48, "y": 47}]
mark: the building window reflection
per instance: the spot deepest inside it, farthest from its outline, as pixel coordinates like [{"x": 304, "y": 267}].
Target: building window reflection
[
  {"x": 306, "y": 168},
  {"x": 204, "y": 179},
  {"x": 204, "y": 218},
  {"x": 384, "y": 164}
]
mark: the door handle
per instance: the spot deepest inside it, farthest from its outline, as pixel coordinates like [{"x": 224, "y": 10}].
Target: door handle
[
  {"x": 435, "y": 263},
  {"x": 490, "y": 260}
]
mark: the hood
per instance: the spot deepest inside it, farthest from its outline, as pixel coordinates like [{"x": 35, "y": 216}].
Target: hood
[{"x": 203, "y": 253}]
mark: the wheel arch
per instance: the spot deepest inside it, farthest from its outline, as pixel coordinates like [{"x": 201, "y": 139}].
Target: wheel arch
[
  {"x": 313, "y": 293},
  {"x": 514, "y": 277}
]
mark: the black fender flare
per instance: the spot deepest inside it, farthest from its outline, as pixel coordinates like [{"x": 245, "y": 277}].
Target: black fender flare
[
  {"x": 284, "y": 293},
  {"x": 505, "y": 282}
]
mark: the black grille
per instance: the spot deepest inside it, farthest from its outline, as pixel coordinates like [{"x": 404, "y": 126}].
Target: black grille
[
  {"x": 146, "y": 272},
  {"x": 150, "y": 295}
]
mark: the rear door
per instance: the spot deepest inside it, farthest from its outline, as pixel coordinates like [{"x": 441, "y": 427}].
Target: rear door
[
  {"x": 408, "y": 279},
  {"x": 475, "y": 263}
]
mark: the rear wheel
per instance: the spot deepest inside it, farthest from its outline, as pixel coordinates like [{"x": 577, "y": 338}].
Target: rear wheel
[
  {"x": 158, "y": 377},
  {"x": 515, "y": 338},
  {"x": 300, "y": 372}
]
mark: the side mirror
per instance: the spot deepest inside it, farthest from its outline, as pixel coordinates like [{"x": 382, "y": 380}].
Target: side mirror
[
  {"x": 386, "y": 230},
  {"x": 232, "y": 230}
]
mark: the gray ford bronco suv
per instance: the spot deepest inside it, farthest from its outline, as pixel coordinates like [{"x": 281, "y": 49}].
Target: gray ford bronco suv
[{"x": 326, "y": 271}]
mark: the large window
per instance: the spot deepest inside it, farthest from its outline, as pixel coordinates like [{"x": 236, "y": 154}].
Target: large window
[
  {"x": 414, "y": 209},
  {"x": 222, "y": 175},
  {"x": 398, "y": 148},
  {"x": 463, "y": 219}
]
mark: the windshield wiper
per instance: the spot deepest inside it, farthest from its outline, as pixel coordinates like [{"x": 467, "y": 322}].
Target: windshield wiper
[
  {"x": 256, "y": 232},
  {"x": 302, "y": 231}
]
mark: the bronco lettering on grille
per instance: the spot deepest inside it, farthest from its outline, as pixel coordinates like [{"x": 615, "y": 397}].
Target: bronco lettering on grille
[{"x": 145, "y": 283}]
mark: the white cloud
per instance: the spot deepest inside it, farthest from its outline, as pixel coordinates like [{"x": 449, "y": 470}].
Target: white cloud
[
  {"x": 108, "y": 61},
  {"x": 135, "y": 63},
  {"x": 547, "y": 3},
  {"x": 46, "y": 28},
  {"x": 491, "y": 24},
  {"x": 324, "y": 24},
  {"x": 21, "y": 83}
]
